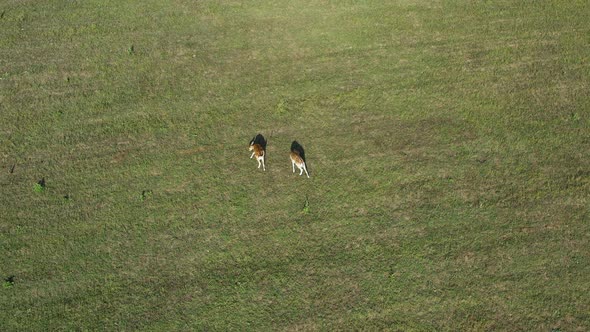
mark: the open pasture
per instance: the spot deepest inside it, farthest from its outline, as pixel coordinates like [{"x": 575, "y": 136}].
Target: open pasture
[{"x": 447, "y": 144}]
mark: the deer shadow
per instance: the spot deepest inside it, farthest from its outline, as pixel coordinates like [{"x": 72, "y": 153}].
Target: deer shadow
[
  {"x": 295, "y": 146},
  {"x": 260, "y": 140}
]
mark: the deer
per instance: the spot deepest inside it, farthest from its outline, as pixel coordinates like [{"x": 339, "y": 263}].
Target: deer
[
  {"x": 297, "y": 160},
  {"x": 258, "y": 151}
]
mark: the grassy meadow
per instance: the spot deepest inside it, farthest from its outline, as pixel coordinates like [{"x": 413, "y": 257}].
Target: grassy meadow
[{"x": 448, "y": 146}]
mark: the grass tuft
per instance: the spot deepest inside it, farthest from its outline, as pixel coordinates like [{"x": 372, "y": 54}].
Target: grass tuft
[
  {"x": 8, "y": 282},
  {"x": 40, "y": 186},
  {"x": 306, "y": 209},
  {"x": 145, "y": 194}
]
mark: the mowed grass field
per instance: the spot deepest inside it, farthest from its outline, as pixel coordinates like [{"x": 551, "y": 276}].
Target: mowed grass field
[{"x": 448, "y": 145}]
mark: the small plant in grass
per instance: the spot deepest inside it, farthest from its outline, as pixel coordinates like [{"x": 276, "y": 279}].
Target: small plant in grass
[
  {"x": 39, "y": 187},
  {"x": 281, "y": 107},
  {"x": 306, "y": 208},
  {"x": 145, "y": 195},
  {"x": 575, "y": 117},
  {"x": 131, "y": 50},
  {"x": 8, "y": 282}
]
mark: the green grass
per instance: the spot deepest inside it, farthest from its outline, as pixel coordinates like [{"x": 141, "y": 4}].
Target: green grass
[{"x": 447, "y": 144}]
